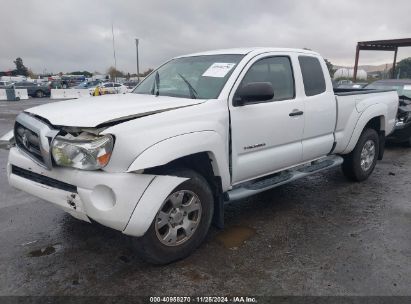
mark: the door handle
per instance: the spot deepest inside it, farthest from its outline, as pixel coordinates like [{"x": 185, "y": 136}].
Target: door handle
[{"x": 296, "y": 113}]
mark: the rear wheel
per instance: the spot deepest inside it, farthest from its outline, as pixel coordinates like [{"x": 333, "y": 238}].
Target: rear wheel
[
  {"x": 182, "y": 222},
  {"x": 360, "y": 163}
]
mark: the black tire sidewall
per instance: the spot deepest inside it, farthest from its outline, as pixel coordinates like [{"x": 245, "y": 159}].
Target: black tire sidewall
[
  {"x": 359, "y": 173},
  {"x": 150, "y": 247},
  {"x": 39, "y": 94}
]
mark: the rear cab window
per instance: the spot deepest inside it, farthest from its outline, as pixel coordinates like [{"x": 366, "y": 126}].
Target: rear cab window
[{"x": 313, "y": 75}]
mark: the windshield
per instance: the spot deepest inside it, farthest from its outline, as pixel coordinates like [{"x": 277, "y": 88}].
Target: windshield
[
  {"x": 402, "y": 89},
  {"x": 201, "y": 77}
]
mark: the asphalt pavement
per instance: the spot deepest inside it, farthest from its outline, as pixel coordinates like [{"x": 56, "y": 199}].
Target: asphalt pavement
[{"x": 321, "y": 235}]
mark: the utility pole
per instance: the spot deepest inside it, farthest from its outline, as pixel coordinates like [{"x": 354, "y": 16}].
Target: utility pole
[
  {"x": 114, "y": 53},
  {"x": 138, "y": 67}
]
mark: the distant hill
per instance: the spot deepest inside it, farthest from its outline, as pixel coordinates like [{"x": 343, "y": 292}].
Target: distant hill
[{"x": 369, "y": 68}]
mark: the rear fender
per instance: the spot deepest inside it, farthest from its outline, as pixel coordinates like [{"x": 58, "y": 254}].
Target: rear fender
[{"x": 377, "y": 110}]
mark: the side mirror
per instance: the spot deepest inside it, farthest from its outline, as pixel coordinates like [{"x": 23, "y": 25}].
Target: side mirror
[{"x": 254, "y": 92}]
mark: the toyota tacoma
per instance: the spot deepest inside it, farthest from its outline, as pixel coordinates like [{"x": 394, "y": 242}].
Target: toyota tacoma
[{"x": 202, "y": 130}]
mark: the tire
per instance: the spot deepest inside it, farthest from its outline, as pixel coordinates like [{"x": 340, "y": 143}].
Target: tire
[
  {"x": 357, "y": 166},
  {"x": 155, "y": 247},
  {"x": 39, "y": 94}
]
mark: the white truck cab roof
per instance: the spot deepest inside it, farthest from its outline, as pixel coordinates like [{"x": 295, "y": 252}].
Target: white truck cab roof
[{"x": 245, "y": 51}]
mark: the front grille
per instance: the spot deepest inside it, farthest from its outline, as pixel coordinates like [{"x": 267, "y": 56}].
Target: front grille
[
  {"x": 33, "y": 137},
  {"x": 44, "y": 180},
  {"x": 28, "y": 141}
]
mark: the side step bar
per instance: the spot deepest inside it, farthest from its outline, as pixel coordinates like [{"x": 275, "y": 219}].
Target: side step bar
[{"x": 274, "y": 180}]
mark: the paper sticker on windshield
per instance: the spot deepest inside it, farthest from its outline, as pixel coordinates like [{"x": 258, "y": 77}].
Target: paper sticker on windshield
[
  {"x": 218, "y": 69},
  {"x": 407, "y": 88}
]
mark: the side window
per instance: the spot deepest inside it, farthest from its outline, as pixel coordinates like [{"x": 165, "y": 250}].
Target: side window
[
  {"x": 313, "y": 75},
  {"x": 277, "y": 71},
  {"x": 117, "y": 85}
]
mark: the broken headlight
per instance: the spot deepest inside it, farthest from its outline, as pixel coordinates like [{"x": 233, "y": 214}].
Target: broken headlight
[{"x": 90, "y": 154}]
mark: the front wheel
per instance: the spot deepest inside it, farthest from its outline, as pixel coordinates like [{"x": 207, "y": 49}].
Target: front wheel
[
  {"x": 360, "y": 163},
  {"x": 182, "y": 222}
]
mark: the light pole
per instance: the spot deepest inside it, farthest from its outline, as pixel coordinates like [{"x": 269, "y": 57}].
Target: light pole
[
  {"x": 138, "y": 67},
  {"x": 114, "y": 53}
]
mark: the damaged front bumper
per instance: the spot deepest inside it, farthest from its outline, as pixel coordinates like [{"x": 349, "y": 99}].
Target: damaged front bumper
[{"x": 127, "y": 202}]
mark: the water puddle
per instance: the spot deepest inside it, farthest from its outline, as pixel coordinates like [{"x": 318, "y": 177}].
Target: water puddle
[
  {"x": 44, "y": 251},
  {"x": 234, "y": 237}
]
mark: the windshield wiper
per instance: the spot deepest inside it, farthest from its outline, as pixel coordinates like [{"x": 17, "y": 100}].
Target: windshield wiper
[
  {"x": 156, "y": 85},
  {"x": 193, "y": 92}
]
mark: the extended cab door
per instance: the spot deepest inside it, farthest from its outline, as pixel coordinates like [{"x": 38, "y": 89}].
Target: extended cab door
[
  {"x": 320, "y": 107},
  {"x": 266, "y": 136}
]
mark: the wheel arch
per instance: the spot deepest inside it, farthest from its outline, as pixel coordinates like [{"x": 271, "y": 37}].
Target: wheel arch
[
  {"x": 374, "y": 118},
  {"x": 202, "y": 151}
]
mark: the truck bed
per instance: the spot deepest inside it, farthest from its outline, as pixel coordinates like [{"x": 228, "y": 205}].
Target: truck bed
[{"x": 359, "y": 100}]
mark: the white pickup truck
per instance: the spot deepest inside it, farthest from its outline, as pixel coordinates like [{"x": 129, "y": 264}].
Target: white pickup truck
[{"x": 202, "y": 130}]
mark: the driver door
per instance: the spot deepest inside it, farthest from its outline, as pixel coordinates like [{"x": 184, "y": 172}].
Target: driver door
[{"x": 267, "y": 136}]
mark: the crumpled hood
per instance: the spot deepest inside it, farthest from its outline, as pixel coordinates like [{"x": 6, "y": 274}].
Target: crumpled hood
[{"x": 94, "y": 111}]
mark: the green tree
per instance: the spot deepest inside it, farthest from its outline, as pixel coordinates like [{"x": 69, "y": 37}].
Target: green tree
[
  {"x": 20, "y": 68},
  {"x": 403, "y": 68},
  {"x": 84, "y": 73},
  {"x": 330, "y": 68}
]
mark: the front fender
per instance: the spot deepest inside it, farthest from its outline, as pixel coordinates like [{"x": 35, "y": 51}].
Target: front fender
[
  {"x": 182, "y": 145},
  {"x": 377, "y": 110},
  {"x": 150, "y": 203}
]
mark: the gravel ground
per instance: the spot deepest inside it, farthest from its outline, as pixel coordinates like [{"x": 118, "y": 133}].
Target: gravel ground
[{"x": 321, "y": 235}]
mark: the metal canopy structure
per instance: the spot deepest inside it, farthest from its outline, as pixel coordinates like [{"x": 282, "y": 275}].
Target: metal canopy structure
[{"x": 380, "y": 45}]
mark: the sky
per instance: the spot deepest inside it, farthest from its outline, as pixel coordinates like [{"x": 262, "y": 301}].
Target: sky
[{"x": 69, "y": 35}]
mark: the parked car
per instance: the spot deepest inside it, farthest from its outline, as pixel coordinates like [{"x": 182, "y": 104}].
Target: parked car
[
  {"x": 69, "y": 81},
  {"x": 90, "y": 85},
  {"x": 402, "y": 86},
  {"x": 113, "y": 88},
  {"x": 58, "y": 84},
  {"x": 201, "y": 130},
  {"x": 13, "y": 78},
  {"x": 130, "y": 84},
  {"x": 402, "y": 132},
  {"x": 34, "y": 89},
  {"x": 4, "y": 84}
]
